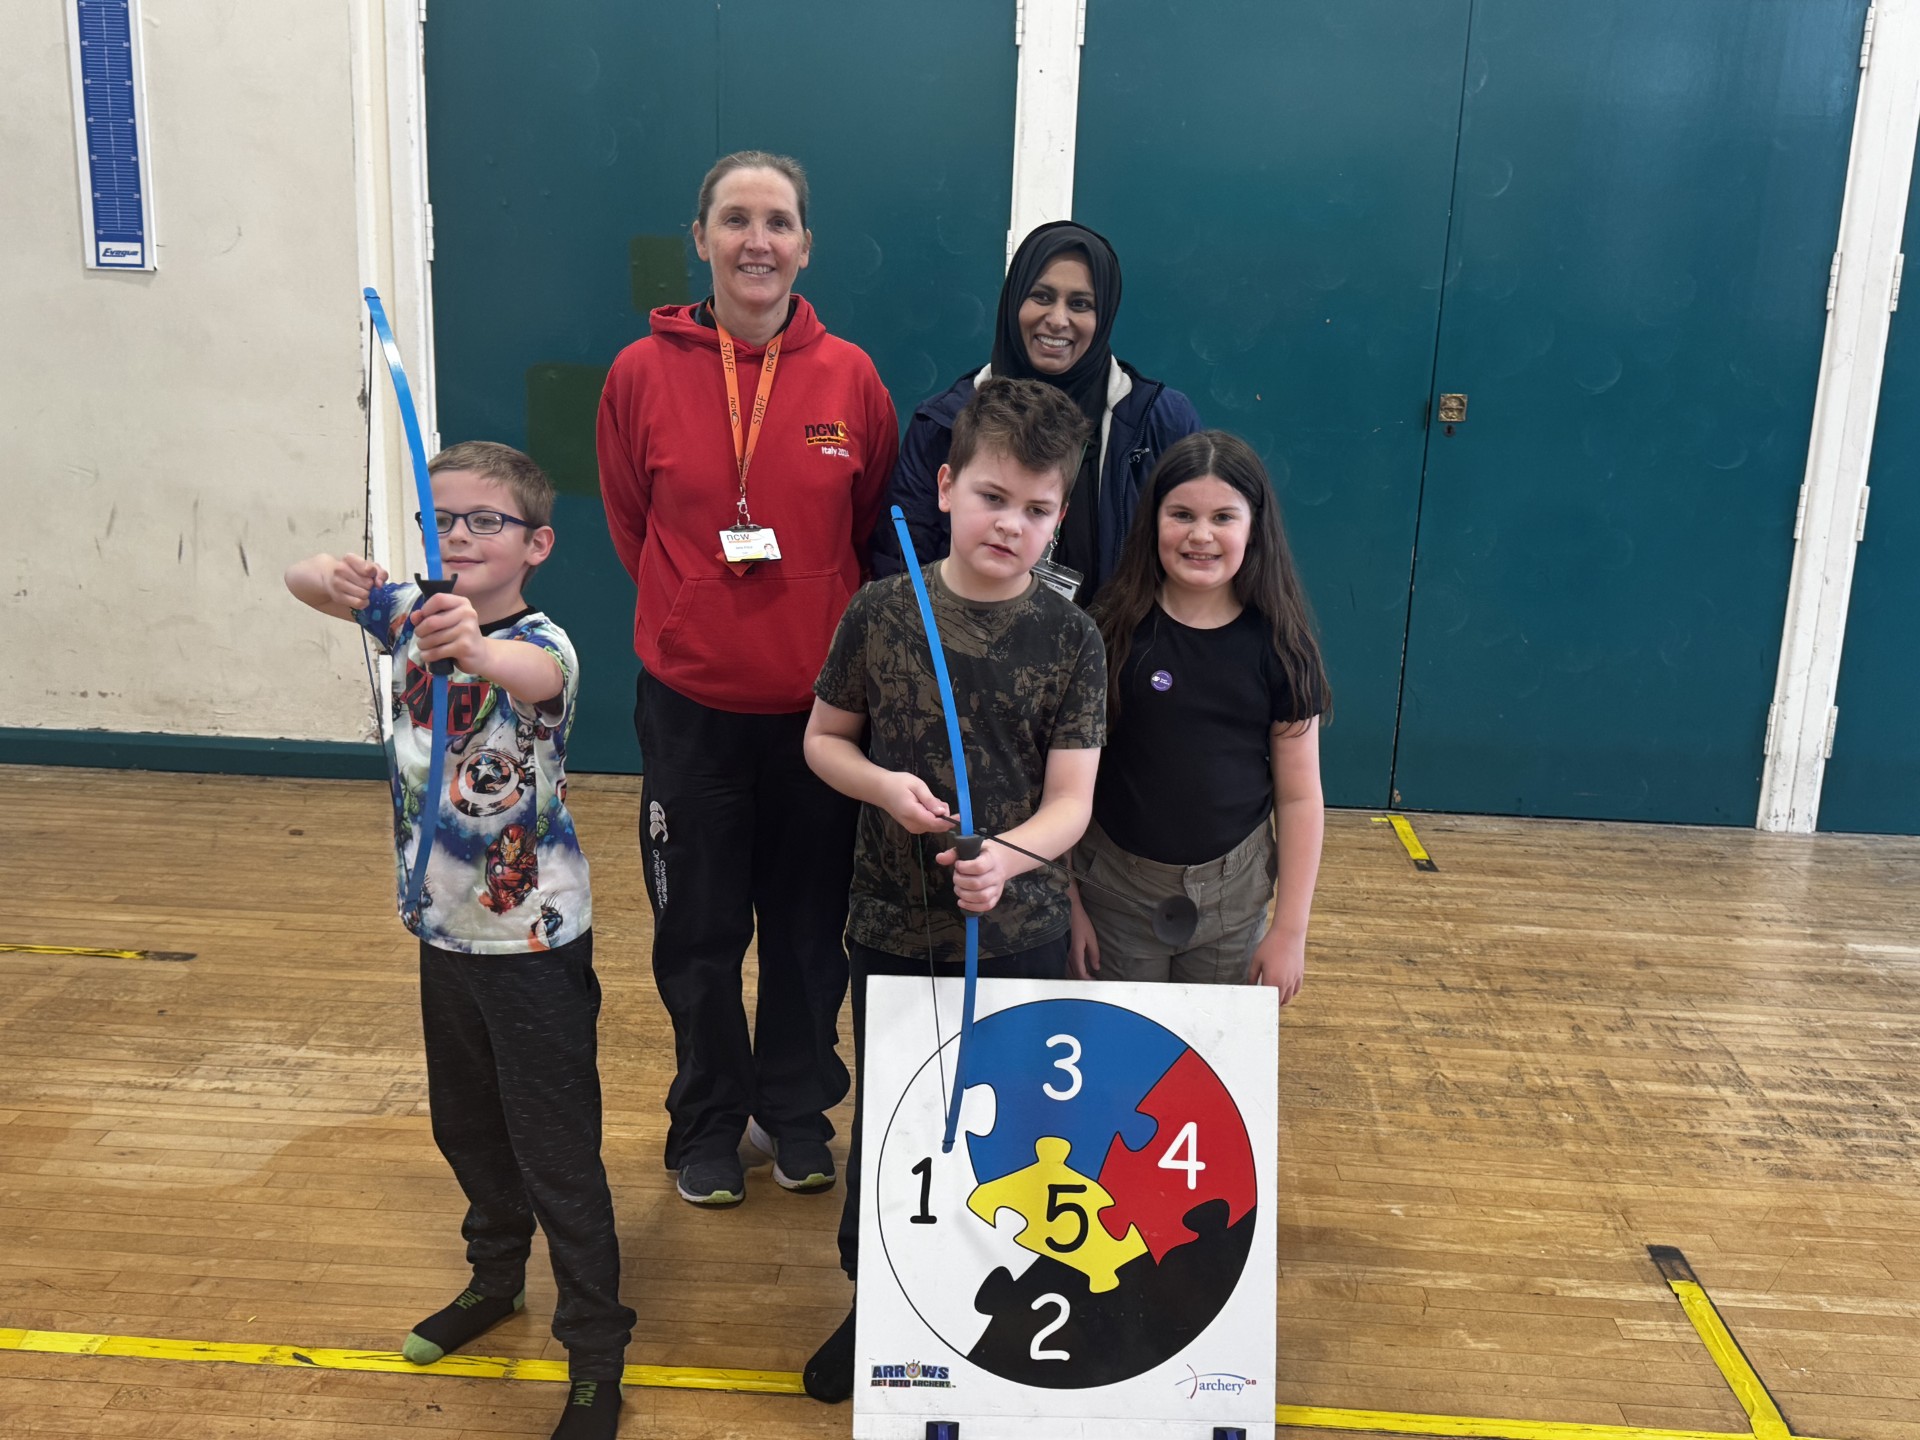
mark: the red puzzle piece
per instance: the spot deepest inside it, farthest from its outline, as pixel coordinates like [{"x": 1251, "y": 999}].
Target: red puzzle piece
[{"x": 1154, "y": 1188}]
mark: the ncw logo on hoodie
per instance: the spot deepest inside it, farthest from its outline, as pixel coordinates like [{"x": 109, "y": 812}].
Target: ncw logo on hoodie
[{"x": 831, "y": 438}]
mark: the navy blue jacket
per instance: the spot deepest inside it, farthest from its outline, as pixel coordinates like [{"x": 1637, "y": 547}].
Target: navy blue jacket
[{"x": 1148, "y": 419}]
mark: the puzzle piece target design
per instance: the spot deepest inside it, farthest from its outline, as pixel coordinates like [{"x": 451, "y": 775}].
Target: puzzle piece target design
[
  {"x": 1109, "y": 1193},
  {"x": 1058, "y": 1205}
]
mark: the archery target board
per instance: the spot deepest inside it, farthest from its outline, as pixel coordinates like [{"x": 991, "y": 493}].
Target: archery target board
[{"x": 1096, "y": 1255}]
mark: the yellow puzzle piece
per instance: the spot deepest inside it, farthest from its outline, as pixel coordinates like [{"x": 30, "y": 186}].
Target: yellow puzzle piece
[{"x": 1062, "y": 1209}]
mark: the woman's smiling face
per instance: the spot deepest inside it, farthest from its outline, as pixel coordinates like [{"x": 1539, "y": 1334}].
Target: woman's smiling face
[
  {"x": 1057, "y": 317},
  {"x": 753, "y": 238}
]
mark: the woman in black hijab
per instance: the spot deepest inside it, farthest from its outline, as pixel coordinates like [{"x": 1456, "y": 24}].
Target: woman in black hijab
[{"x": 1055, "y": 324}]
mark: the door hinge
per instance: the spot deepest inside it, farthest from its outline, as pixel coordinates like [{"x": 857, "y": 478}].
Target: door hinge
[
  {"x": 1800, "y": 513},
  {"x": 1773, "y": 713},
  {"x": 1860, "y": 523},
  {"x": 423, "y": 12},
  {"x": 429, "y": 232},
  {"x": 1833, "y": 719},
  {"x": 1899, "y": 269},
  {"x": 1866, "y": 35},
  {"x": 1020, "y": 23},
  {"x": 1833, "y": 279}
]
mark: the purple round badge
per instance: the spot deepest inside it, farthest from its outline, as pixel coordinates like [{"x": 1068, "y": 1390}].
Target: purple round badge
[{"x": 1160, "y": 680}]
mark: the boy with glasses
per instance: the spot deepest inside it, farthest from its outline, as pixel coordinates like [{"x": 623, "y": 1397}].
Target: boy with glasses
[{"x": 508, "y": 997}]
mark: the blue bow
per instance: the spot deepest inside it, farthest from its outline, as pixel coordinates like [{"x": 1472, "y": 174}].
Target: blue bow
[
  {"x": 967, "y": 845},
  {"x": 433, "y": 583}
]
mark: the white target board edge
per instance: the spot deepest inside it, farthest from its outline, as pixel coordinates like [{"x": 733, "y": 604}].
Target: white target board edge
[{"x": 937, "y": 1292}]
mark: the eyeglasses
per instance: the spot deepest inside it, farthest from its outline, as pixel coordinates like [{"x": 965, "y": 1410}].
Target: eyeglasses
[{"x": 479, "y": 522}]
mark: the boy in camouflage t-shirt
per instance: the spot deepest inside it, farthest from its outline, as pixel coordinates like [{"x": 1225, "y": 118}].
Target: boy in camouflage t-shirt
[{"x": 1029, "y": 680}]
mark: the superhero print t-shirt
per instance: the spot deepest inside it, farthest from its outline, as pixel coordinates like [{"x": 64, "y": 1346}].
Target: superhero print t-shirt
[{"x": 506, "y": 874}]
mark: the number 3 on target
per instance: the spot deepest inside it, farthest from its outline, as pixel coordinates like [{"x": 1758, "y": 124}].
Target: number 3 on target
[{"x": 1070, "y": 1065}]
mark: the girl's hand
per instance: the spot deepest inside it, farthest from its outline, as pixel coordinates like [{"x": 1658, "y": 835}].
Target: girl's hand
[
  {"x": 446, "y": 628},
  {"x": 1083, "y": 946},
  {"x": 350, "y": 580},
  {"x": 1279, "y": 960},
  {"x": 977, "y": 883},
  {"x": 907, "y": 799}
]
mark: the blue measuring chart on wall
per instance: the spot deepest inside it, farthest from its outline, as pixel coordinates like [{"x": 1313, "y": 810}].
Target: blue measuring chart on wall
[{"x": 110, "y": 125}]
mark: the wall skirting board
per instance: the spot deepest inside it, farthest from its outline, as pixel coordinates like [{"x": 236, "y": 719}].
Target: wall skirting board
[{"x": 196, "y": 754}]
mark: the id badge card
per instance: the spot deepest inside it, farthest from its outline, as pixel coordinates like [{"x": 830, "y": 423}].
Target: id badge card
[
  {"x": 1059, "y": 579},
  {"x": 748, "y": 542}
]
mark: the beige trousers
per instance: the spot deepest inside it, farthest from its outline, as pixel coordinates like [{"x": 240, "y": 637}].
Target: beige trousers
[{"x": 1233, "y": 894}]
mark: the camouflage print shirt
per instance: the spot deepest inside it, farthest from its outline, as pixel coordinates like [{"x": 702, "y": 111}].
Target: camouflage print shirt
[{"x": 1029, "y": 676}]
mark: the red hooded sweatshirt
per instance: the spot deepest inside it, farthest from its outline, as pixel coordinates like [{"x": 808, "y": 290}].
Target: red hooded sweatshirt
[{"x": 750, "y": 643}]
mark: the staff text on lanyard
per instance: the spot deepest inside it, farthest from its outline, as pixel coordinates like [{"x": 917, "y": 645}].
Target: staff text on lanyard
[{"x": 744, "y": 542}]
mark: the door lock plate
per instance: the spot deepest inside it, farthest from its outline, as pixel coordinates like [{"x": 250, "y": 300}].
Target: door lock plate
[{"x": 1453, "y": 409}]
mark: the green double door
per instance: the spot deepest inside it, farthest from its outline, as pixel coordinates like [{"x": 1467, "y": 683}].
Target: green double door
[{"x": 1607, "y": 227}]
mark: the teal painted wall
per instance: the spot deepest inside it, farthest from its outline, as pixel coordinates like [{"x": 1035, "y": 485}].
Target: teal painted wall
[
  {"x": 1631, "y": 207},
  {"x": 565, "y": 147},
  {"x": 1609, "y": 225},
  {"x": 1873, "y": 781},
  {"x": 1276, "y": 178}
]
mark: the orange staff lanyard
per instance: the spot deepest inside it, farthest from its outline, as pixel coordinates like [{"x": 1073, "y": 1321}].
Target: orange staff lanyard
[{"x": 745, "y": 444}]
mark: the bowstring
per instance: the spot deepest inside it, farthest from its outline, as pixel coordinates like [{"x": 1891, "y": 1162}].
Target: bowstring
[
  {"x": 374, "y": 696},
  {"x": 933, "y": 991}
]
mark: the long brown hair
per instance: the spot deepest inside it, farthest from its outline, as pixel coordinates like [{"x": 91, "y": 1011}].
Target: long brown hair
[{"x": 1266, "y": 581}]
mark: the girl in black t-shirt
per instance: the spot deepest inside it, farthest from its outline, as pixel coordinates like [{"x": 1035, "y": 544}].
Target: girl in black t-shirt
[{"x": 1210, "y": 785}]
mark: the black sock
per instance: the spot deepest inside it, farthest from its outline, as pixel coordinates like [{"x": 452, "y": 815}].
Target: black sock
[
  {"x": 592, "y": 1413},
  {"x": 469, "y": 1317},
  {"x": 829, "y": 1374}
]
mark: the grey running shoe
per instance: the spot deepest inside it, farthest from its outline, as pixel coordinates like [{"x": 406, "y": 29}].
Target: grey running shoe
[{"x": 716, "y": 1183}]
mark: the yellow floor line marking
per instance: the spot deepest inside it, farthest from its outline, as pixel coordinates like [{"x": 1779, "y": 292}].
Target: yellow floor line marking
[
  {"x": 766, "y": 1382},
  {"x": 306, "y": 1357},
  {"x": 1310, "y": 1417},
  {"x": 1762, "y": 1413},
  {"x": 1416, "y": 852},
  {"x": 103, "y": 954},
  {"x": 1747, "y": 1387}
]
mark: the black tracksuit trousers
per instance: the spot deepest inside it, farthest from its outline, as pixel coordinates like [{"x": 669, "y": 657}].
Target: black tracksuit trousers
[
  {"x": 513, "y": 1082},
  {"x": 737, "y": 834}
]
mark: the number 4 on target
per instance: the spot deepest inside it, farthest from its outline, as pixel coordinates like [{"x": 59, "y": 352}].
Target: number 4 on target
[{"x": 1189, "y": 1140}]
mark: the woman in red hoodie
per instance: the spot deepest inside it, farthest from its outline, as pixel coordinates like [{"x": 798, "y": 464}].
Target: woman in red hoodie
[{"x": 744, "y": 452}]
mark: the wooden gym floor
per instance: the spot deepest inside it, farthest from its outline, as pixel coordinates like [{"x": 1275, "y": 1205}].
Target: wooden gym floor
[{"x": 1503, "y": 1081}]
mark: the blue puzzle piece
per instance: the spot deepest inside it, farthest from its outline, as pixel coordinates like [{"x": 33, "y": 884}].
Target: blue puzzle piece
[{"x": 1115, "y": 1059}]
